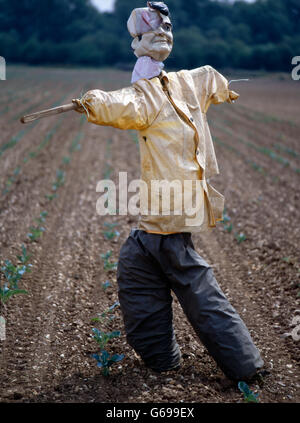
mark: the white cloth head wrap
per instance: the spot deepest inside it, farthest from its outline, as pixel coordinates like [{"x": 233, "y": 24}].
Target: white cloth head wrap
[{"x": 143, "y": 20}]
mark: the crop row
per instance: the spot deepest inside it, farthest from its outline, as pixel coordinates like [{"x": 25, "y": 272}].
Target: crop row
[
  {"x": 260, "y": 149},
  {"x": 14, "y": 140},
  {"x": 10, "y": 274},
  {"x": 102, "y": 336},
  {"x": 22, "y": 96},
  {"x": 31, "y": 155},
  {"x": 277, "y": 136}
]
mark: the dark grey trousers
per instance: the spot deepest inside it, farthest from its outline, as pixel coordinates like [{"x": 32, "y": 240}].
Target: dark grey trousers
[{"x": 150, "y": 266}]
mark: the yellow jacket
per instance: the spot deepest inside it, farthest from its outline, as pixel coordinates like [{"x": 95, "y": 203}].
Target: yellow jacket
[{"x": 169, "y": 112}]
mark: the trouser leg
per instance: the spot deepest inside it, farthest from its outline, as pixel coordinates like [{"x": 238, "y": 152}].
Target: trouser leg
[
  {"x": 214, "y": 320},
  {"x": 146, "y": 304}
]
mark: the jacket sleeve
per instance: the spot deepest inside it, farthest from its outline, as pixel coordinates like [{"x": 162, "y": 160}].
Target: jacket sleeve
[
  {"x": 126, "y": 108},
  {"x": 211, "y": 87}
]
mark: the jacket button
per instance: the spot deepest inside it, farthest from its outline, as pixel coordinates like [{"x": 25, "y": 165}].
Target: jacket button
[
  {"x": 197, "y": 152},
  {"x": 191, "y": 119}
]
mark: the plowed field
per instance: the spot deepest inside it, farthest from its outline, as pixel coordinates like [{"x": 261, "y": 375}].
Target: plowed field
[{"x": 54, "y": 165}]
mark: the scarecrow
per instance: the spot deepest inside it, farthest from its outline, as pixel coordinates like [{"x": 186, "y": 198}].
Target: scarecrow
[{"x": 169, "y": 112}]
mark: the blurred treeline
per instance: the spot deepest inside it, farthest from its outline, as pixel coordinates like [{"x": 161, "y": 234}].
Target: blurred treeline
[{"x": 260, "y": 35}]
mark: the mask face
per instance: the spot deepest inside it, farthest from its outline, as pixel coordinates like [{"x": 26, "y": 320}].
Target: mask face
[{"x": 157, "y": 43}]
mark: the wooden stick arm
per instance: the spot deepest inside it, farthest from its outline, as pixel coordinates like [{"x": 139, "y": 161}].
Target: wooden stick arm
[{"x": 50, "y": 112}]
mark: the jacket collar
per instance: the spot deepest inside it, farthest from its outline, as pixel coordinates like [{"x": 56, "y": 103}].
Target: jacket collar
[
  {"x": 164, "y": 76},
  {"x": 164, "y": 79}
]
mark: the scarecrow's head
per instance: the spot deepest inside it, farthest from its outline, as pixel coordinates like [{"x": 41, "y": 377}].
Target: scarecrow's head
[{"x": 151, "y": 29}]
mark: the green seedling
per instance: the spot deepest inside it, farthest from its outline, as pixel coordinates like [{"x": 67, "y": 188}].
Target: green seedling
[
  {"x": 228, "y": 228},
  {"x": 75, "y": 146},
  {"x": 107, "y": 172},
  {"x": 107, "y": 314},
  {"x": 226, "y": 218},
  {"x": 66, "y": 160},
  {"x": 11, "y": 181},
  {"x": 106, "y": 285},
  {"x": 110, "y": 235},
  {"x": 24, "y": 258},
  {"x": 60, "y": 180},
  {"x": 7, "y": 188},
  {"x": 6, "y": 293},
  {"x": 35, "y": 233},
  {"x": 107, "y": 264},
  {"x": 8, "y": 185},
  {"x": 51, "y": 196},
  {"x": 110, "y": 266},
  {"x": 42, "y": 217},
  {"x": 13, "y": 274},
  {"x": 240, "y": 237},
  {"x": 289, "y": 260},
  {"x": 105, "y": 361},
  {"x": 17, "y": 171},
  {"x": 103, "y": 338},
  {"x": 249, "y": 396},
  {"x": 102, "y": 319},
  {"x": 107, "y": 255},
  {"x": 256, "y": 167}
]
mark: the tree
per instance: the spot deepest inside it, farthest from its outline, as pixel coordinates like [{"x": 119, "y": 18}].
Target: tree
[{"x": 264, "y": 34}]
